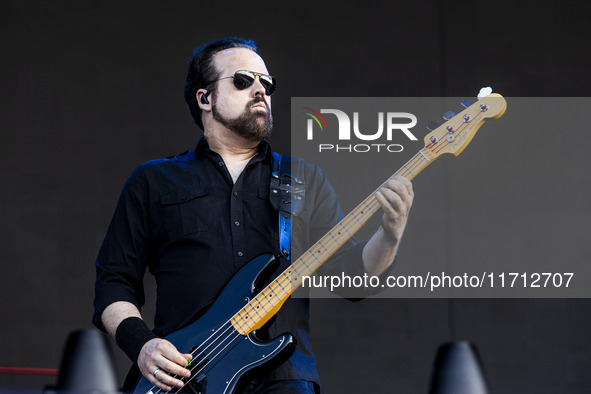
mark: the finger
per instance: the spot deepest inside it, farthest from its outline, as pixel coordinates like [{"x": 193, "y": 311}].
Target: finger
[
  {"x": 406, "y": 182},
  {"x": 395, "y": 203},
  {"x": 402, "y": 190},
  {"x": 393, "y": 198},
  {"x": 400, "y": 185},
  {"x": 154, "y": 378},
  {"x": 175, "y": 369},
  {"x": 167, "y": 381},
  {"x": 390, "y": 202},
  {"x": 172, "y": 361},
  {"x": 169, "y": 351}
]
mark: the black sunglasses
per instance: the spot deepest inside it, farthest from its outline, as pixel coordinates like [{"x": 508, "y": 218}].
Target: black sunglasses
[{"x": 244, "y": 79}]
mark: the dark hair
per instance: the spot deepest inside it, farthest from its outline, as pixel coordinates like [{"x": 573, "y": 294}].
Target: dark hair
[{"x": 201, "y": 71}]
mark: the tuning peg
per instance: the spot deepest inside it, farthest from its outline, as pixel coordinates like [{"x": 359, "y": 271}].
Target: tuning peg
[
  {"x": 465, "y": 103},
  {"x": 484, "y": 92},
  {"x": 448, "y": 115},
  {"x": 432, "y": 125}
]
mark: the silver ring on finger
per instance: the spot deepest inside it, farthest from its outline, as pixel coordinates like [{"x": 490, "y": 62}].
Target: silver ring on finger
[{"x": 156, "y": 372}]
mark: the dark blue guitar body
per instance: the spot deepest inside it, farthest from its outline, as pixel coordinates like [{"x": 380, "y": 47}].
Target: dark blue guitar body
[{"x": 222, "y": 358}]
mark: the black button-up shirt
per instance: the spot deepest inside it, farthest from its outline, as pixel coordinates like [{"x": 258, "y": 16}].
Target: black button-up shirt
[{"x": 185, "y": 220}]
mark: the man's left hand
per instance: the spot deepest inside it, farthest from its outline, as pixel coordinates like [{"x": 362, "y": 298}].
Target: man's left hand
[{"x": 395, "y": 198}]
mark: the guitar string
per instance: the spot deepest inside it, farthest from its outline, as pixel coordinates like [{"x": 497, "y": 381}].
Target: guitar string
[
  {"x": 211, "y": 358},
  {"x": 201, "y": 356},
  {"x": 370, "y": 204},
  {"x": 198, "y": 358},
  {"x": 203, "y": 349},
  {"x": 193, "y": 375}
]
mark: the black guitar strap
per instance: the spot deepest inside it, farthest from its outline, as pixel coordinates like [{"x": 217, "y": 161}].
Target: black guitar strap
[{"x": 287, "y": 195}]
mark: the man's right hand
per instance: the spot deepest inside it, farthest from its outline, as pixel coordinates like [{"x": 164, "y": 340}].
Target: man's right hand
[{"x": 159, "y": 361}]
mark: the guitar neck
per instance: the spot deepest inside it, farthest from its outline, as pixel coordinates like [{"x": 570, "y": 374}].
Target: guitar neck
[{"x": 266, "y": 304}]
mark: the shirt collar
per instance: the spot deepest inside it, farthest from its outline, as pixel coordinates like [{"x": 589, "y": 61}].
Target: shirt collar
[{"x": 265, "y": 150}]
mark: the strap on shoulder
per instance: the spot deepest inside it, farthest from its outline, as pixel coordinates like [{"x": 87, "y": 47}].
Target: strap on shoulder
[{"x": 287, "y": 194}]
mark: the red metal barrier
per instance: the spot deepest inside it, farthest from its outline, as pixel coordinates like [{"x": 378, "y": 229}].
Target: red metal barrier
[{"x": 29, "y": 371}]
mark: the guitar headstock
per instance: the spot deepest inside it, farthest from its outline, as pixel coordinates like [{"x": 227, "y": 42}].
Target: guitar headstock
[{"x": 453, "y": 136}]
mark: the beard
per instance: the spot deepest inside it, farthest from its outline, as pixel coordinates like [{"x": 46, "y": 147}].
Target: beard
[{"x": 252, "y": 125}]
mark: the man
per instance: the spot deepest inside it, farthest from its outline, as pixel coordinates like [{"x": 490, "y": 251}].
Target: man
[{"x": 195, "y": 219}]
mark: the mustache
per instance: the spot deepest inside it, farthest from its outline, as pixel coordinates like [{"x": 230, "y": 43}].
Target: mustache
[{"x": 256, "y": 100}]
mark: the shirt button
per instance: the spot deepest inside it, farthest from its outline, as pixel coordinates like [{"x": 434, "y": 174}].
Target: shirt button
[
  {"x": 240, "y": 254},
  {"x": 221, "y": 164},
  {"x": 237, "y": 223},
  {"x": 235, "y": 194}
]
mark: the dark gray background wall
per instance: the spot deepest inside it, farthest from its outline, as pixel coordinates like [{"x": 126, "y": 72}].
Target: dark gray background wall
[{"x": 91, "y": 89}]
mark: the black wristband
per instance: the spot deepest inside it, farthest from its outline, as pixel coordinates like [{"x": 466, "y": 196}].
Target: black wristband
[{"x": 131, "y": 335}]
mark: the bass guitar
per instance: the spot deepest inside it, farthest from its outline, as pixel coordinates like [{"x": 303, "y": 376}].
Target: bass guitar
[{"x": 223, "y": 341}]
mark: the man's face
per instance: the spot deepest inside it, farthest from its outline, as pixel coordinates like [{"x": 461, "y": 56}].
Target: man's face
[{"x": 246, "y": 112}]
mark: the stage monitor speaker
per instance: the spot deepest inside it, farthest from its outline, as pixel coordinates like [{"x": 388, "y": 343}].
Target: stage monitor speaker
[
  {"x": 458, "y": 370},
  {"x": 87, "y": 364}
]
